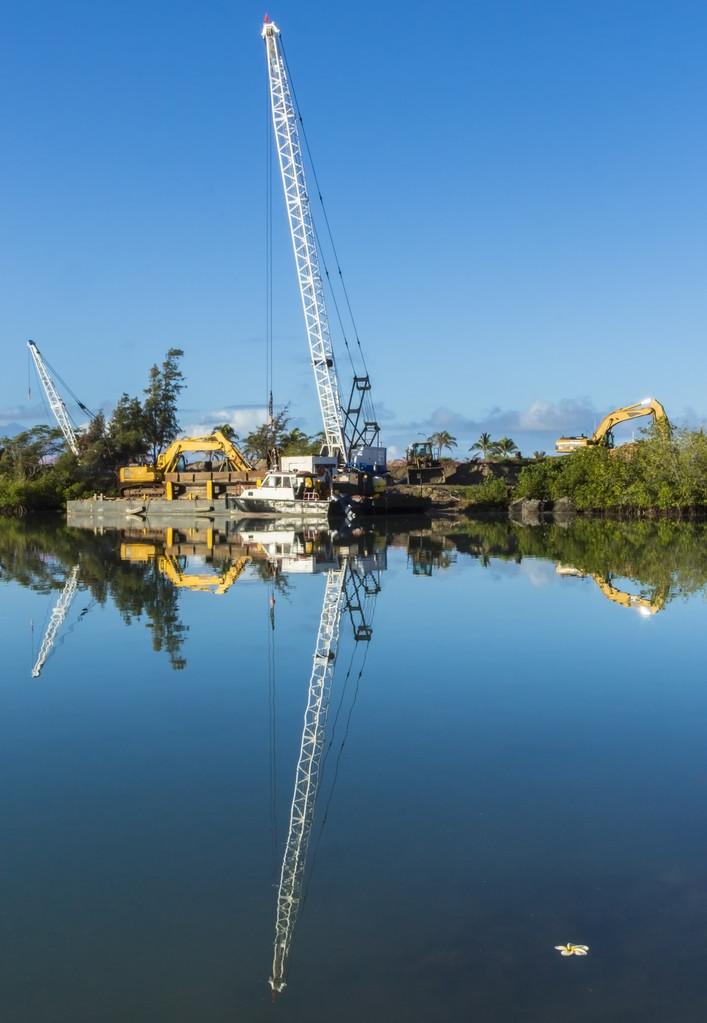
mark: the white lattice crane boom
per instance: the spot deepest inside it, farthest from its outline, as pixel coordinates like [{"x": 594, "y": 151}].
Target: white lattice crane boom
[
  {"x": 299, "y": 215},
  {"x": 54, "y": 398}
]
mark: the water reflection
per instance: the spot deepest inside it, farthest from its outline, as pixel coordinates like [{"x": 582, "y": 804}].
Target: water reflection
[
  {"x": 166, "y": 579},
  {"x": 646, "y": 606},
  {"x": 56, "y": 620},
  {"x": 143, "y": 569},
  {"x": 350, "y": 588}
]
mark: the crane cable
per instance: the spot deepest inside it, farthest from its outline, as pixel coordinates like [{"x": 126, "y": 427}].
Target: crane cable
[
  {"x": 84, "y": 408},
  {"x": 329, "y": 232},
  {"x": 272, "y": 726},
  {"x": 337, "y": 764},
  {"x": 325, "y": 816},
  {"x": 268, "y": 259}
]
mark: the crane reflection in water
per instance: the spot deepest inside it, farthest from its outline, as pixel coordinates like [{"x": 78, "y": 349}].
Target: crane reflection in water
[
  {"x": 351, "y": 586},
  {"x": 351, "y": 563}
]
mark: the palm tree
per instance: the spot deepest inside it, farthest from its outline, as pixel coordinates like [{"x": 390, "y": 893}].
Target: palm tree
[
  {"x": 539, "y": 455},
  {"x": 442, "y": 439},
  {"x": 506, "y": 447},
  {"x": 484, "y": 444},
  {"x": 227, "y": 430}
]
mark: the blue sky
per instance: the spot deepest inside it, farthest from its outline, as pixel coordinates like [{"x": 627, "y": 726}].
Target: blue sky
[{"x": 517, "y": 191}]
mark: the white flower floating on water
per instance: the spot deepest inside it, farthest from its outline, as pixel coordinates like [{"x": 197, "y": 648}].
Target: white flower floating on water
[{"x": 572, "y": 950}]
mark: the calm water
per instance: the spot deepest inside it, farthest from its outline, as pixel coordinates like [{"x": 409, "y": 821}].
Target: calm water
[{"x": 514, "y": 756}]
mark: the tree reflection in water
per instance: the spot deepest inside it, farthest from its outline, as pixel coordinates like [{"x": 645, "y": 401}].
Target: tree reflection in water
[{"x": 663, "y": 557}]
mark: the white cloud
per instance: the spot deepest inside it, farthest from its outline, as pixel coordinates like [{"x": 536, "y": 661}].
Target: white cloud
[
  {"x": 24, "y": 413},
  {"x": 539, "y": 417},
  {"x": 243, "y": 419}
]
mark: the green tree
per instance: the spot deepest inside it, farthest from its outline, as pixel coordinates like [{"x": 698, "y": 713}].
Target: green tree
[
  {"x": 262, "y": 443},
  {"x": 506, "y": 447},
  {"x": 274, "y": 437},
  {"x": 165, "y": 384},
  {"x": 296, "y": 442},
  {"x": 484, "y": 444},
  {"x": 96, "y": 462},
  {"x": 35, "y": 470},
  {"x": 539, "y": 455},
  {"x": 227, "y": 430},
  {"x": 127, "y": 431},
  {"x": 441, "y": 440},
  {"x": 29, "y": 453}
]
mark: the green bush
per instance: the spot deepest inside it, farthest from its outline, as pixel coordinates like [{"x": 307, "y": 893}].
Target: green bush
[
  {"x": 657, "y": 472},
  {"x": 492, "y": 491}
]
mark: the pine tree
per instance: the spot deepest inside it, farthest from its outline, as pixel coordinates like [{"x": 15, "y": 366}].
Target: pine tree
[
  {"x": 126, "y": 431},
  {"x": 160, "y": 406}
]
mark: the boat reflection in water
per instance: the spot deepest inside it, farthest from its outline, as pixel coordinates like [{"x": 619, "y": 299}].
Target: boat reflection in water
[{"x": 210, "y": 559}]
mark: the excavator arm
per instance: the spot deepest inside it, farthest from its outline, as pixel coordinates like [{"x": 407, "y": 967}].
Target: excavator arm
[
  {"x": 136, "y": 476},
  {"x": 602, "y": 434},
  {"x": 167, "y": 461},
  {"x": 647, "y": 407}
]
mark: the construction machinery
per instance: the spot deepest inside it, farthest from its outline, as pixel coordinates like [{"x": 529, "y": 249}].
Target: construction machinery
[
  {"x": 603, "y": 435},
  {"x": 223, "y": 470},
  {"x": 55, "y": 401},
  {"x": 421, "y": 464},
  {"x": 351, "y": 433}
]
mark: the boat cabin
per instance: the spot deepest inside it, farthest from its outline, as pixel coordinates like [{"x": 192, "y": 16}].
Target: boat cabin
[{"x": 293, "y": 486}]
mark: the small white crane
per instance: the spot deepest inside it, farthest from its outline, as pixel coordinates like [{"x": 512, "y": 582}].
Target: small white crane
[{"x": 56, "y": 403}]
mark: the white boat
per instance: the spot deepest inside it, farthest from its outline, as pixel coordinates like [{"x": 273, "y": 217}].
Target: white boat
[{"x": 292, "y": 494}]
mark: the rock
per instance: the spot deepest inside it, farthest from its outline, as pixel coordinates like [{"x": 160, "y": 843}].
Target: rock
[
  {"x": 563, "y": 510},
  {"x": 526, "y": 511}
]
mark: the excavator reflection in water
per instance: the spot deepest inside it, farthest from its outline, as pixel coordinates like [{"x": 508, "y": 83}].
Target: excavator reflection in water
[
  {"x": 646, "y": 606},
  {"x": 210, "y": 560},
  {"x": 172, "y": 560}
]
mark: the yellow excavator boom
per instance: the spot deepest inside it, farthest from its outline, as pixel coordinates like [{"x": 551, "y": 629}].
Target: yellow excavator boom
[
  {"x": 602, "y": 434},
  {"x": 136, "y": 475},
  {"x": 216, "y": 441}
]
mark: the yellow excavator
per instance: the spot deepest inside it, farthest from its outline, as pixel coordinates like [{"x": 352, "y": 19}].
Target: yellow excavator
[
  {"x": 603, "y": 434},
  {"x": 171, "y": 475}
]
